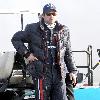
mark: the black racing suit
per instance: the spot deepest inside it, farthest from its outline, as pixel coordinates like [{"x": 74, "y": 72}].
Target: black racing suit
[{"x": 54, "y": 56}]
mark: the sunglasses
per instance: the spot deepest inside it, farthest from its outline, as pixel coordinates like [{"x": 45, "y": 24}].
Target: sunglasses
[{"x": 49, "y": 14}]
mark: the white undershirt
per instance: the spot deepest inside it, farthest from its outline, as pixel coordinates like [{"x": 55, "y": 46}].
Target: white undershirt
[{"x": 52, "y": 26}]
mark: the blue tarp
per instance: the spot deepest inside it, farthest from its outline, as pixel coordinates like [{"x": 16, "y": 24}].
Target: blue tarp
[{"x": 87, "y": 94}]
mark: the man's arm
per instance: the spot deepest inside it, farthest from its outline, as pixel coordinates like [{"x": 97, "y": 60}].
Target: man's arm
[
  {"x": 68, "y": 58},
  {"x": 22, "y": 37},
  {"x": 18, "y": 40}
]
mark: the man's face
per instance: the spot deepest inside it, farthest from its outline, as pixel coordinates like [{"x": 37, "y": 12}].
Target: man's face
[{"x": 50, "y": 17}]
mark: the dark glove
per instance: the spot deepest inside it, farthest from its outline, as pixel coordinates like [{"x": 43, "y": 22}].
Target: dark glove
[
  {"x": 69, "y": 80},
  {"x": 35, "y": 69}
]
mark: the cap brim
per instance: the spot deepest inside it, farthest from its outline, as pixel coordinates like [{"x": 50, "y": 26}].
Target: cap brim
[{"x": 50, "y": 10}]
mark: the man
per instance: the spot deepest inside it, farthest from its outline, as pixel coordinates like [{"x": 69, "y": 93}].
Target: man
[{"x": 48, "y": 53}]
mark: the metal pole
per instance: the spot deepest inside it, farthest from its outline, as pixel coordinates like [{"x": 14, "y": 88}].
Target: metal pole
[
  {"x": 21, "y": 21},
  {"x": 90, "y": 77}
]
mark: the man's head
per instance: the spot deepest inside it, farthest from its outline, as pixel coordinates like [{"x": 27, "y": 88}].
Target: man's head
[
  {"x": 49, "y": 13},
  {"x": 48, "y": 8}
]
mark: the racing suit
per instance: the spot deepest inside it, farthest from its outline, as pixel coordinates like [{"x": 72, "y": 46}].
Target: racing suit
[{"x": 52, "y": 48}]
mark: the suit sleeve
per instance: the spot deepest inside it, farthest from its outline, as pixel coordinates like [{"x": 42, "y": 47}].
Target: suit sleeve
[
  {"x": 18, "y": 40},
  {"x": 68, "y": 58}
]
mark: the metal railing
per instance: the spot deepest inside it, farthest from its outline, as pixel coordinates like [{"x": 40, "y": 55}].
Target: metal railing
[{"x": 89, "y": 74}]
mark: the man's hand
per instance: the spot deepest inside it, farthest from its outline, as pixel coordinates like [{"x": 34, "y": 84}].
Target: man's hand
[
  {"x": 73, "y": 78},
  {"x": 31, "y": 58}
]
